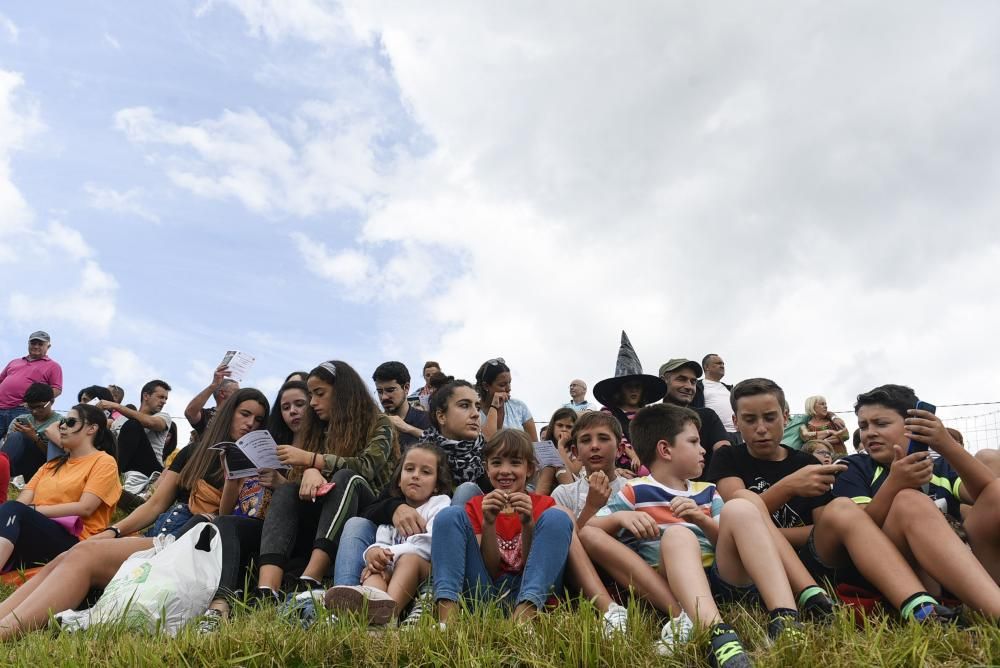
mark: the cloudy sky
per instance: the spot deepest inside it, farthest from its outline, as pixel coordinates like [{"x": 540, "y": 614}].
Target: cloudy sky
[{"x": 810, "y": 190}]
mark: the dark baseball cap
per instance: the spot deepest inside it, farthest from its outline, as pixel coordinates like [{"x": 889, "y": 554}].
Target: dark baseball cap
[
  {"x": 679, "y": 362},
  {"x": 40, "y": 336}
]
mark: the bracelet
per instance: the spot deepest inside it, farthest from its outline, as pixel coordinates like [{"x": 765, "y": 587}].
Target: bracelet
[
  {"x": 315, "y": 455},
  {"x": 116, "y": 530},
  {"x": 495, "y": 407}
]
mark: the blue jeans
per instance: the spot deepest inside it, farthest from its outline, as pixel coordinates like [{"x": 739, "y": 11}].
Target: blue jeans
[
  {"x": 465, "y": 493},
  {"x": 358, "y": 535},
  {"x": 25, "y": 457},
  {"x": 458, "y": 567},
  {"x": 7, "y": 416}
]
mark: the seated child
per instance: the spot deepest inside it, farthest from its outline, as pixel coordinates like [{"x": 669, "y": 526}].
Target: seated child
[
  {"x": 595, "y": 441},
  {"x": 675, "y": 525},
  {"x": 820, "y": 450},
  {"x": 395, "y": 564},
  {"x": 910, "y": 495},
  {"x": 836, "y": 540},
  {"x": 506, "y": 542},
  {"x": 558, "y": 432}
]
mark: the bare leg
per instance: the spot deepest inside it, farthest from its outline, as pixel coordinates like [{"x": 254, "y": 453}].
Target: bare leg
[
  {"x": 270, "y": 577},
  {"x": 582, "y": 573},
  {"x": 845, "y": 531},
  {"x": 744, "y": 554},
  {"x": 983, "y": 526},
  {"x": 991, "y": 458},
  {"x": 6, "y": 549},
  {"x": 89, "y": 564},
  {"x": 629, "y": 569},
  {"x": 409, "y": 572},
  {"x": 680, "y": 553},
  {"x": 524, "y": 611},
  {"x": 446, "y": 609},
  {"x": 920, "y": 531},
  {"x": 318, "y": 566},
  {"x": 798, "y": 575}
]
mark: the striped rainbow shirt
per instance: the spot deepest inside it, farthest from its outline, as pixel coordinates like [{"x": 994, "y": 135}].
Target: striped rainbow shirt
[{"x": 647, "y": 495}]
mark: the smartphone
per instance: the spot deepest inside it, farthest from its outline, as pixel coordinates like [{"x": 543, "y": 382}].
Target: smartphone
[
  {"x": 324, "y": 489},
  {"x": 916, "y": 446},
  {"x": 22, "y": 419}
]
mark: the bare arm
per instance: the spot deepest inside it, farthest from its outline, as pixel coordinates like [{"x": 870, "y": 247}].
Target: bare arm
[
  {"x": 146, "y": 514},
  {"x": 147, "y": 421},
  {"x": 193, "y": 410},
  {"x": 85, "y": 507},
  {"x": 529, "y": 427}
]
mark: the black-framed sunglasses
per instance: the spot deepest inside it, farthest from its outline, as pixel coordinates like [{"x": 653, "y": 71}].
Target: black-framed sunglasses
[
  {"x": 496, "y": 361},
  {"x": 70, "y": 422}
]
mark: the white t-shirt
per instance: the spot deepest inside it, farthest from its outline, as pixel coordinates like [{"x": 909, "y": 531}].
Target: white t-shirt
[
  {"x": 158, "y": 439},
  {"x": 717, "y": 398},
  {"x": 574, "y": 495}
]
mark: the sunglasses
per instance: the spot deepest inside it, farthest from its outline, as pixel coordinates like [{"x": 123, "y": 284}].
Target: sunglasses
[
  {"x": 70, "y": 422},
  {"x": 496, "y": 361}
]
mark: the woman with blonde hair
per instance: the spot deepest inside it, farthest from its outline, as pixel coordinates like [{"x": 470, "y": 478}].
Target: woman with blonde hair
[{"x": 824, "y": 425}]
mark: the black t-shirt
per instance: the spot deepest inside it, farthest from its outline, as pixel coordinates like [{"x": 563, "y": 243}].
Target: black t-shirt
[
  {"x": 418, "y": 418},
  {"x": 759, "y": 474},
  {"x": 711, "y": 432},
  {"x": 206, "y": 416},
  {"x": 213, "y": 476}
]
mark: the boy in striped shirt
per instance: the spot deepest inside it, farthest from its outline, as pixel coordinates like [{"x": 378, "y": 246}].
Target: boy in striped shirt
[{"x": 680, "y": 527}]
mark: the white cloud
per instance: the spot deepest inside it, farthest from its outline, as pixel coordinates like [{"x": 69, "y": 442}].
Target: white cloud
[
  {"x": 128, "y": 203},
  {"x": 789, "y": 188},
  {"x": 325, "y": 163},
  {"x": 19, "y": 121},
  {"x": 9, "y": 27},
  {"x": 282, "y": 19}
]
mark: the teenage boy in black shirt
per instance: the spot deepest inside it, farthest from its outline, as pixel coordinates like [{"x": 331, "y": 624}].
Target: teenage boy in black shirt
[{"x": 831, "y": 537}]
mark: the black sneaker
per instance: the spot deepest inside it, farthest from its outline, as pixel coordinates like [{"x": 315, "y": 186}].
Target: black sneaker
[
  {"x": 209, "y": 622},
  {"x": 819, "y": 608},
  {"x": 942, "y": 614},
  {"x": 727, "y": 650},
  {"x": 785, "y": 625}
]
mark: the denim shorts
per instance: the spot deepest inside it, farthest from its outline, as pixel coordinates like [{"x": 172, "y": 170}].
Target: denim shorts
[
  {"x": 723, "y": 592},
  {"x": 171, "y": 522}
]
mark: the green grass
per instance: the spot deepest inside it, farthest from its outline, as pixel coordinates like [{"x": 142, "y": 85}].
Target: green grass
[{"x": 565, "y": 637}]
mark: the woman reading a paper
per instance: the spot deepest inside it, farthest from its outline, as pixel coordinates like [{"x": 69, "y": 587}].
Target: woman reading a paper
[
  {"x": 191, "y": 484},
  {"x": 346, "y": 441}
]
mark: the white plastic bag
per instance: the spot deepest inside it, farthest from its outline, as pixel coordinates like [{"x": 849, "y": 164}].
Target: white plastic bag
[{"x": 159, "y": 589}]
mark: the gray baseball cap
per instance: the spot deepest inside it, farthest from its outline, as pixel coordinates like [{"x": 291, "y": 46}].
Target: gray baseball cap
[{"x": 40, "y": 336}]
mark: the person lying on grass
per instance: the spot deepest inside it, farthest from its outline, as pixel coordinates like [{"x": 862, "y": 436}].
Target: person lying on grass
[
  {"x": 833, "y": 540},
  {"x": 909, "y": 496},
  {"x": 65, "y": 581},
  {"x": 83, "y": 482},
  {"x": 509, "y": 544},
  {"x": 396, "y": 565}
]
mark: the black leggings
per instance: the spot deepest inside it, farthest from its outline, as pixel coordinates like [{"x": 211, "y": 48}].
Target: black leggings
[
  {"x": 288, "y": 515},
  {"x": 37, "y": 539}
]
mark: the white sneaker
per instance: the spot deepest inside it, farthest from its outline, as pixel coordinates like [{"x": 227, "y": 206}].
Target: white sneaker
[
  {"x": 674, "y": 632},
  {"x": 378, "y": 605},
  {"x": 615, "y": 620}
]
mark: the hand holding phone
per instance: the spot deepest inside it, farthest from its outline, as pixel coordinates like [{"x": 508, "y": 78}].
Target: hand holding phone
[{"x": 917, "y": 446}]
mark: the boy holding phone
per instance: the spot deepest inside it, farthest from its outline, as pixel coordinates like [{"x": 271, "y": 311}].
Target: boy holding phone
[
  {"x": 908, "y": 493},
  {"x": 835, "y": 539}
]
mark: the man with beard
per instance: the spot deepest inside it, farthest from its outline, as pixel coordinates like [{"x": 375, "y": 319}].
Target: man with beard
[
  {"x": 392, "y": 384},
  {"x": 681, "y": 376}
]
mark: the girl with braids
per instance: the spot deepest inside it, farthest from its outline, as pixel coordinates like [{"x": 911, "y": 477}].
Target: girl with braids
[
  {"x": 194, "y": 479},
  {"x": 82, "y": 483},
  {"x": 344, "y": 440},
  {"x": 499, "y": 410}
]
